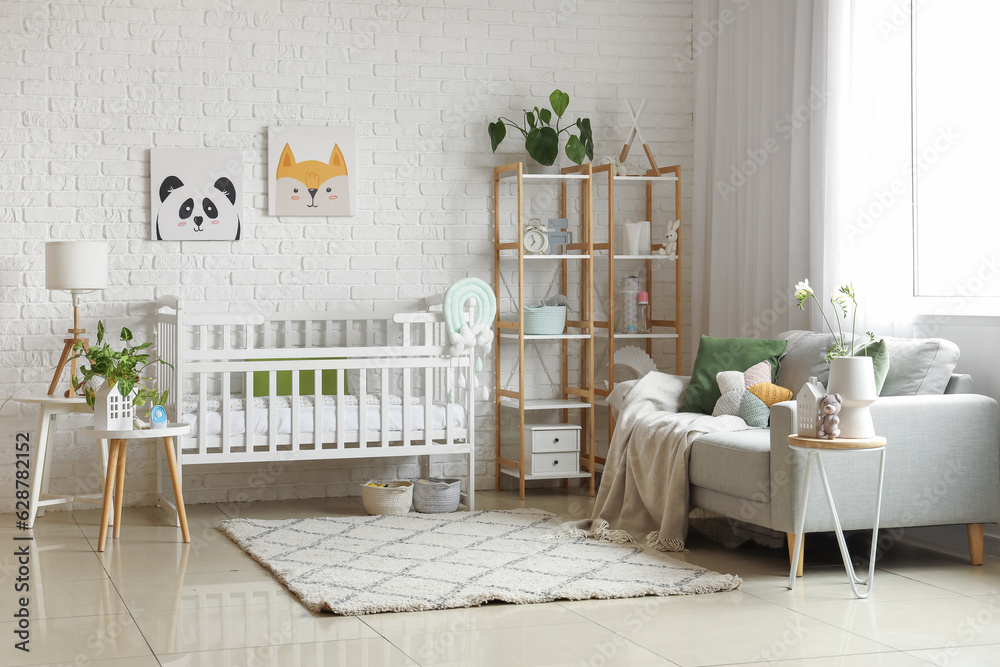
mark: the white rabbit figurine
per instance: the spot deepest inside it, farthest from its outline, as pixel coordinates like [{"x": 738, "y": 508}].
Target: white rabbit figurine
[{"x": 669, "y": 249}]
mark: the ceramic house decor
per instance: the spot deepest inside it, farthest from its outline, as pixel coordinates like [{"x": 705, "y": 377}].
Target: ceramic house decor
[
  {"x": 807, "y": 408},
  {"x": 112, "y": 411}
]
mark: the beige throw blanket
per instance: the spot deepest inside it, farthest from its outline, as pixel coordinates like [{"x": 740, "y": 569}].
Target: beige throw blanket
[{"x": 644, "y": 489}]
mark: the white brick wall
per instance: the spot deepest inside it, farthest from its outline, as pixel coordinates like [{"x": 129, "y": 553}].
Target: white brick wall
[{"x": 90, "y": 86}]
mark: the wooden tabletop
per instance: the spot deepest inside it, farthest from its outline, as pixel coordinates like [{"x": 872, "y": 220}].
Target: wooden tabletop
[
  {"x": 172, "y": 429},
  {"x": 837, "y": 443}
]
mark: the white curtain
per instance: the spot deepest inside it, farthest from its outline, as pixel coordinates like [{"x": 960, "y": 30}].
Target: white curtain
[{"x": 798, "y": 119}]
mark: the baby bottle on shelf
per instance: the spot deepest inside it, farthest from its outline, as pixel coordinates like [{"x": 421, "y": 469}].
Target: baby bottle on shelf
[
  {"x": 644, "y": 323},
  {"x": 630, "y": 304}
]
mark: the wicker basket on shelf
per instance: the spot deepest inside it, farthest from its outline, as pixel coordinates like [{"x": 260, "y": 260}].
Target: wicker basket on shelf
[
  {"x": 544, "y": 320},
  {"x": 436, "y": 495},
  {"x": 393, "y": 498}
]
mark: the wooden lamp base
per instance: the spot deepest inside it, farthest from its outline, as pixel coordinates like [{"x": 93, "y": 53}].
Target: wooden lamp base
[{"x": 67, "y": 353}]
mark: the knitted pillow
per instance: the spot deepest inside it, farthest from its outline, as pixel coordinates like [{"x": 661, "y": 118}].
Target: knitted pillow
[
  {"x": 749, "y": 395},
  {"x": 733, "y": 384}
]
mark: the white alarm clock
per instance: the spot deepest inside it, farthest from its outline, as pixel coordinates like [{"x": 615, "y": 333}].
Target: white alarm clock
[{"x": 536, "y": 241}]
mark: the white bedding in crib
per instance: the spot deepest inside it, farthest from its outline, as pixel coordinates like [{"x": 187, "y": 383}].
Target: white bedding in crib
[{"x": 237, "y": 418}]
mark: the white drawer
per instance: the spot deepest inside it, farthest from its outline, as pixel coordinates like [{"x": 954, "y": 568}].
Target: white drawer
[
  {"x": 554, "y": 463},
  {"x": 551, "y": 438}
]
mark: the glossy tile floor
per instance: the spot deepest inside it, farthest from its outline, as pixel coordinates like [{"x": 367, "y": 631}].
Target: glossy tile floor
[{"x": 150, "y": 600}]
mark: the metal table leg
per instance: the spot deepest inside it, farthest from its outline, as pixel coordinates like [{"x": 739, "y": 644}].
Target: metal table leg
[{"x": 855, "y": 581}]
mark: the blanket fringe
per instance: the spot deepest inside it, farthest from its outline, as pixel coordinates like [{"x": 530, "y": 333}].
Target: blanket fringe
[
  {"x": 600, "y": 531},
  {"x": 653, "y": 541}
]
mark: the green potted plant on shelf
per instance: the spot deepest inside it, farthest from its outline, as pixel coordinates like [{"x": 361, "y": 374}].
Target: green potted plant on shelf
[
  {"x": 124, "y": 379},
  {"x": 542, "y": 129}
]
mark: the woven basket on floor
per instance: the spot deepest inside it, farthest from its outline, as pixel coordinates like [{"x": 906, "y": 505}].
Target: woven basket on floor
[
  {"x": 436, "y": 495},
  {"x": 395, "y": 498}
]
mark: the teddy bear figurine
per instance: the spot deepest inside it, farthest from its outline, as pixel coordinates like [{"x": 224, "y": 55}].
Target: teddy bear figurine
[{"x": 829, "y": 422}]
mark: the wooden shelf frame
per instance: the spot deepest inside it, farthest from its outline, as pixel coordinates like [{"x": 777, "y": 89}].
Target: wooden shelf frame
[
  {"x": 576, "y": 395},
  {"x": 606, "y": 328}
]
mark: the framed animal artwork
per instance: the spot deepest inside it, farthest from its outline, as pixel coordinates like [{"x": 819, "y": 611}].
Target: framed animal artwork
[
  {"x": 196, "y": 194},
  {"x": 310, "y": 170}
]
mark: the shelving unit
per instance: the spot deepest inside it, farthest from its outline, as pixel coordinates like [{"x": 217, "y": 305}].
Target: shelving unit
[
  {"x": 574, "y": 401},
  {"x": 657, "y": 177}
]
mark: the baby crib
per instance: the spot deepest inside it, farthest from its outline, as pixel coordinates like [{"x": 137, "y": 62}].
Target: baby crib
[{"x": 313, "y": 385}]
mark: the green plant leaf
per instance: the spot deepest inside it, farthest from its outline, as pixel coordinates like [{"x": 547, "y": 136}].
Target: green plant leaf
[
  {"x": 100, "y": 332},
  {"x": 545, "y": 116},
  {"x": 559, "y": 101},
  {"x": 575, "y": 150},
  {"x": 126, "y": 334},
  {"x": 530, "y": 119},
  {"x": 125, "y": 386},
  {"x": 586, "y": 136},
  {"x": 542, "y": 145},
  {"x": 497, "y": 133}
]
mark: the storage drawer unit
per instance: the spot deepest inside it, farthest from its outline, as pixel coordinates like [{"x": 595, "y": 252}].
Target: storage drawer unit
[{"x": 551, "y": 449}]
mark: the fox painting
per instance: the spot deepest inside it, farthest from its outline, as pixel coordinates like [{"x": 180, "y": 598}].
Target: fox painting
[{"x": 312, "y": 187}]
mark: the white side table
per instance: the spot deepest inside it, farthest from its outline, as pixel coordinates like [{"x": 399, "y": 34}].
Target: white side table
[
  {"x": 838, "y": 446},
  {"x": 114, "y": 484},
  {"x": 50, "y": 406}
]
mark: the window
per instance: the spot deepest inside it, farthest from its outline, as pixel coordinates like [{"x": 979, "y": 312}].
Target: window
[{"x": 956, "y": 148}]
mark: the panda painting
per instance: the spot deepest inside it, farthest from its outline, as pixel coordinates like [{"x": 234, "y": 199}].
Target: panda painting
[{"x": 196, "y": 194}]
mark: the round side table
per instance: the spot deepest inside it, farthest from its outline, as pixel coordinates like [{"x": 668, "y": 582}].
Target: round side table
[
  {"x": 116, "y": 466},
  {"x": 838, "y": 446}
]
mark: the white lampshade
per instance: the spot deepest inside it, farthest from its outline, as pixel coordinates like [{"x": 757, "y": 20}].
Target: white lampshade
[{"x": 76, "y": 265}]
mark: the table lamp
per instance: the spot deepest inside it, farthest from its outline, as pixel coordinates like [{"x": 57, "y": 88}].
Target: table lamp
[{"x": 76, "y": 267}]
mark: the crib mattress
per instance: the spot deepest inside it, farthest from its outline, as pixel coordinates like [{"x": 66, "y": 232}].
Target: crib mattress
[{"x": 328, "y": 405}]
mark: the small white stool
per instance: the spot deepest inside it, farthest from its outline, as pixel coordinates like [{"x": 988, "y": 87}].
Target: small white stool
[
  {"x": 50, "y": 406},
  {"x": 815, "y": 447},
  {"x": 115, "y": 482}
]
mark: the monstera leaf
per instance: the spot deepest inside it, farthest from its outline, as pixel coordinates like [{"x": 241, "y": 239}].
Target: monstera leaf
[
  {"x": 559, "y": 101},
  {"x": 497, "y": 133},
  {"x": 542, "y": 145}
]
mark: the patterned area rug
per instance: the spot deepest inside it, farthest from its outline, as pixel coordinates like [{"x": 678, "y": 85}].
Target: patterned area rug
[{"x": 365, "y": 565}]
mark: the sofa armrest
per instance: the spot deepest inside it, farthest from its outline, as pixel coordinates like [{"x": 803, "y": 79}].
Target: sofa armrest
[
  {"x": 960, "y": 383},
  {"x": 942, "y": 462}
]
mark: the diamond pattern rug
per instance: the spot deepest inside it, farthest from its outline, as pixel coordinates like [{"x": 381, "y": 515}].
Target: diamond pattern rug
[{"x": 364, "y": 565}]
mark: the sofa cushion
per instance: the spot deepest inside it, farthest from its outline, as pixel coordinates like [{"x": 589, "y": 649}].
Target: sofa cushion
[
  {"x": 733, "y": 384},
  {"x": 736, "y": 463},
  {"x": 724, "y": 354},
  {"x": 804, "y": 357},
  {"x": 879, "y": 352},
  {"x": 919, "y": 366}
]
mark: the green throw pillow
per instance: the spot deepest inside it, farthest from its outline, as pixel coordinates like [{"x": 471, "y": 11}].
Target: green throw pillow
[
  {"x": 328, "y": 381},
  {"x": 879, "y": 352},
  {"x": 725, "y": 354}
]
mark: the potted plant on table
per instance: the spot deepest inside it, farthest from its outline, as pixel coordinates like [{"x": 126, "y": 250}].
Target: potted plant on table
[
  {"x": 542, "y": 128},
  {"x": 852, "y": 371},
  {"x": 125, "y": 386}
]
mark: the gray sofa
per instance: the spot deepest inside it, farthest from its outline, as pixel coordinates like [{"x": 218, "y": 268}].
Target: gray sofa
[{"x": 942, "y": 457}]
